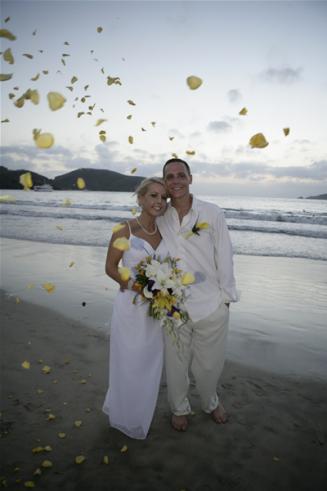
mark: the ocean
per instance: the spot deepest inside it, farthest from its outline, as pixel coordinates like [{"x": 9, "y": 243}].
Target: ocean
[{"x": 258, "y": 226}]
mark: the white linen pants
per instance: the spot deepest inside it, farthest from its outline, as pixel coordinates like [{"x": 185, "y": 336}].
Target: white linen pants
[{"x": 201, "y": 347}]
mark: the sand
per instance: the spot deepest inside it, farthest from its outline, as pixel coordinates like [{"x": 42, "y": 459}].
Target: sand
[{"x": 275, "y": 438}]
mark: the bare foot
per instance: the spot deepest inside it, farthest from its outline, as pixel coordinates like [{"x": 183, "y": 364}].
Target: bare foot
[
  {"x": 179, "y": 423},
  {"x": 219, "y": 415}
]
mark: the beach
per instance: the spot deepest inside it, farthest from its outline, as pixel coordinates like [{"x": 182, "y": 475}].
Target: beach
[{"x": 274, "y": 384}]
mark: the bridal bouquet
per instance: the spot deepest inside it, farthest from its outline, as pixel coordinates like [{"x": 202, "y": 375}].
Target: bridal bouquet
[{"x": 163, "y": 285}]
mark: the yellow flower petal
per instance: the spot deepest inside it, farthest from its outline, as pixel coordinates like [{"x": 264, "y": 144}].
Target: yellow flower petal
[
  {"x": 286, "y": 131},
  {"x": 28, "y": 55},
  {"x": 130, "y": 139},
  {"x": 117, "y": 227},
  {"x": 44, "y": 140},
  {"x": 78, "y": 423},
  {"x": 174, "y": 155},
  {"x": 113, "y": 80},
  {"x": 26, "y": 364},
  {"x": 133, "y": 170},
  {"x": 8, "y": 56},
  {"x": 5, "y": 76},
  {"x": 49, "y": 287},
  {"x": 132, "y": 103},
  {"x": 67, "y": 202},
  {"x": 80, "y": 183},
  {"x": 71, "y": 264},
  {"x": 99, "y": 29},
  {"x": 46, "y": 464},
  {"x": 243, "y": 111},
  {"x": 103, "y": 138},
  {"x": 34, "y": 96},
  {"x": 79, "y": 459},
  {"x": 73, "y": 80},
  {"x": 124, "y": 449},
  {"x": 36, "y": 450},
  {"x": 4, "y": 33},
  {"x": 55, "y": 100},
  {"x": 129, "y": 116},
  {"x": 29, "y": 484},
  {"x": 26, "y": 180},
  {"x": 194, "y": 82},
  {"x": 188, "y": 279},
  {"x": 171, "y": 138},
  {"x": 17, "y": 300},
  {"x": 51, "y": 417},
  {"x": 61, "y": 434},
  {"x": 202, "y": 225},
  {"x": 7, "y": 198},
  {"x": 105, "y": 459},
  {"x": 100, "y": 121},
  {"x": 190, "y": 152},
  {"x": 258, "y": 141},
  {"x": 124, "y": 273},
  {"x": 46, "y": 369},
  {"x": 133, "y": 211},
  {"x": 122, "y": 244}
]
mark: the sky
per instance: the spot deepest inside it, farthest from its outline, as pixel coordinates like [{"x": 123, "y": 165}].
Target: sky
[{"x": 267, "y": 56}]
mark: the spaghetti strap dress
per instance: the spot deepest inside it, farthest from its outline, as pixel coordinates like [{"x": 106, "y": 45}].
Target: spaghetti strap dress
[{"x": 136, "y": 353}]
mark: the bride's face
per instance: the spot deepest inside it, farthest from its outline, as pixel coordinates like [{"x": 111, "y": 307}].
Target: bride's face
[{"x": 154, "y": 201}]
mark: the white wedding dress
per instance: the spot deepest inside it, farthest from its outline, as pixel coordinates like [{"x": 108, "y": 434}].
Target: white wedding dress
[{"x": 136, "y": 354}]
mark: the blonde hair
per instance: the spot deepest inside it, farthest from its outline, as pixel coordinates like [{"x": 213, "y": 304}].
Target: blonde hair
[{"x": 143, "y": 187}]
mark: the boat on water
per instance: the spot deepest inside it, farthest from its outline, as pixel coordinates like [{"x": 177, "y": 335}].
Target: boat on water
[{"x": 43, "y": 187}]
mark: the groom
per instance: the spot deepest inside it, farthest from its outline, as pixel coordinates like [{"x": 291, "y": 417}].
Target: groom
[{"x": 196, "y": 232}]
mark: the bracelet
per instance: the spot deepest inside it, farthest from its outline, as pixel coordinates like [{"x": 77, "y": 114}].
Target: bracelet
[{"x": 130, "y": 284}]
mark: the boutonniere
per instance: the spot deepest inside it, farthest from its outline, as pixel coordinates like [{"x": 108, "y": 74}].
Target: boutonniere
[{"x": 196, "y": 229}]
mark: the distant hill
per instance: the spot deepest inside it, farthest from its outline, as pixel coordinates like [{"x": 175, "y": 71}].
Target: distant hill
[
  {"x": 319, "y": 196},
  {"x": 95, "y": 179}
]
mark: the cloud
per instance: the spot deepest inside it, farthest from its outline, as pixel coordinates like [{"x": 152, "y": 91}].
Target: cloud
[
  {"x": 219, "y": 126},
  {"x": 234, "y": 95},
  {"x": 283, "y": 75}
]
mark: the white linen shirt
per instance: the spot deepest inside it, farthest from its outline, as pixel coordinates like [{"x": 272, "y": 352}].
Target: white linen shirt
[{"x": 208, "y": 256}]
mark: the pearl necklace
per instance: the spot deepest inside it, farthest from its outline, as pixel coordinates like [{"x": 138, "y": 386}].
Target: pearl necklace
[{"x": 145, "y": 230}]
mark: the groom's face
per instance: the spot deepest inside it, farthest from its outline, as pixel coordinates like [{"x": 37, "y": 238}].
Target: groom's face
[{"x": 177, "y": 180}]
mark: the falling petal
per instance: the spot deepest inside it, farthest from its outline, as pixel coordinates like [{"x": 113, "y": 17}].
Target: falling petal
[
  {"x": 122, "y": 244},
  {"x": 5, "y": 76},
  {"x": 103, "y": 138},
  {"x": 45, "y": 72},
  {"x": 71, "y": 264},
  {"x": 143, "y": 129},
  {"x": 78, "y": 423},
  {"x": 193, "y": 82},
  {"x": 63, "y": 62},
  {"x": 29, "y": 484},
  {"x": 79, "y": 459},
  {"x": 36, "y": 77},
  {"x": 26, "y": 364},
  {"x": 133, "y": 170},
  {"x": 49, "y": 287},
  {"x": 44, "y": 140},
  {"x": 286, "y": 131},
  {"x": 243, "y": 111},
  {"x": 99, "y": 29},
  {"x": 65, "y": 54},
  {"x": 55, "y": 100},
  {"x": 80, "y": 183},
  {"x": 37, "y": 472},
  {"x": 174, "y": 155},
  {"x": 46, "y": 464},
  {"x": 134, "y": 211},
  {"x": 124, "y": 273},
  {"x": 34, "y": 96},
  {"x": 171, "y": 138},
  {"x": 28, "y": 55},
  {"x": 8, "y": 56},
  {"x": 190, "y": 152},
  {"x": 100, "y": 121},
  {"x": 46, "y": 369},
  {"x": 188, "y": 279},
  {"x": 129, "y": 116},
  {"x": 105, "y": 459},
  {"x": 67, "y": 202},
  {"x": 132, "y": 103},
  {"x": 70, "y": 88},
  {"x": 7, "y": 19},
  {"x": 61, "y": 435},
  {"x": 59, "y": 227},
  {"x": 153, "y": 123},
  {"x": 34, "y": 33},
  {"x": 17, "y": 300},
  {"x": 130, "y": 139},
  {"x": 73, "y": 80},
  {"x": 4, "y": 33},
  {"x": 86, "y": 87},
  {"x": 80, "y": 114},
  {"x": 26, "y": 180},
  {"x": 114, "y": 81},
  {"x": 124, "y": 449},
  {"x": 258, "y": 141},
  {"x": 51, "y": 417},
  {"x": 118, "y": 227}
]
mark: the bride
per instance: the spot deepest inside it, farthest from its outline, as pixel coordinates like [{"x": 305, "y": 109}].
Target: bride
[{"x": 136, "y": 339}]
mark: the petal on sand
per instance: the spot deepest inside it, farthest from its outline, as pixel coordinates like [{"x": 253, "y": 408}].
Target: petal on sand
[
  {"x": 286, "y": 131},
  {"x": 105, "y": 459},
  {"x": 61, "y": 434},
  {"x": 29, "y": 484},
  {"x": 55, "y": 100},
  {"x": 49, "y": 287},
  {"x": 124, "y": 449},
  {"x": 258, "y": 141},
  {"x": 124, "y": 273},
  {"x": 5, "y": 76},
  {"x": 26, "y": 180},
  {"x": 194, "y": 82},
  {"x": 26, "y": 364},
  {"x": 130, "y": 140},
  {"x": 80, "y": 183},
  {"x": 44, "y": 140},
  {"x": 4, "y": 33},
  {"x": 46, "y": 464},
  {"x": 46, "y": 369},
  {"x": 122, "y": 244},
  {"x": 8, "y": 56},
  {"x": 78, "y": 423},
  {"x": 243, "y": 111},
  {"x": 113, "y": 80}
]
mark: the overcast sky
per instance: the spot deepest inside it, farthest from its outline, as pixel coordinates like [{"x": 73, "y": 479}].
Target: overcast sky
[{"x": 266, "y": 56}]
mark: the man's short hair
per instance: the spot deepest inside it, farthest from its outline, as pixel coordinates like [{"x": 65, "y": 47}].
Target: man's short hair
[{"x": 177, "y": 161}]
